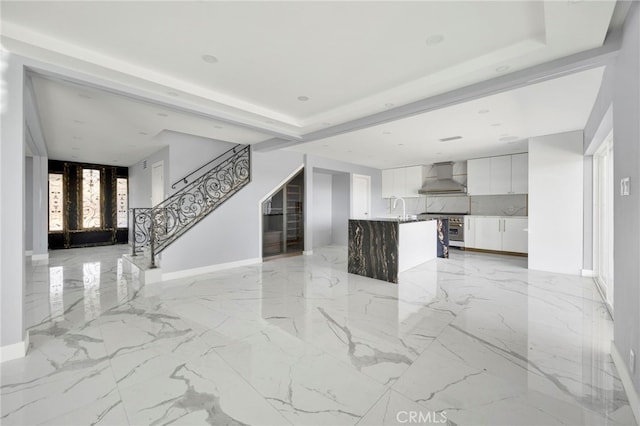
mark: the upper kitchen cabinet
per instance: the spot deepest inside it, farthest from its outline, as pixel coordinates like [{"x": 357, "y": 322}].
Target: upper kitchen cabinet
[
  {"x": 402, "y": 182},
  {"x": 507, "y": 174}
]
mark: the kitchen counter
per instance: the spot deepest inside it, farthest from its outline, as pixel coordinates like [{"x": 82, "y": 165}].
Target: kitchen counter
[{"x": 383, "y": 248}]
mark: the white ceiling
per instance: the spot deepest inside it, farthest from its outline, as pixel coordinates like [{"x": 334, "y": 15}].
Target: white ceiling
[
  {"x": 351, "y": 59},
  {"x": 493, "y": 125},
  {"x": 89, "y": 125}
]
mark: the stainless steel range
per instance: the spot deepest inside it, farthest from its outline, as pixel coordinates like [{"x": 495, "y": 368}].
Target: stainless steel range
[{"x": 456, "y": 226}]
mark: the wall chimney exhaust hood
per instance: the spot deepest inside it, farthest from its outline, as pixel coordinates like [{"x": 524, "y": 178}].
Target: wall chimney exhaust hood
[{"x": 444, "y": 184}]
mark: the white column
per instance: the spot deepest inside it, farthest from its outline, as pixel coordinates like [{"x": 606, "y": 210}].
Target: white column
[
  {"x": 12, "y": 218},
  {"x": 40, "y": 208}
]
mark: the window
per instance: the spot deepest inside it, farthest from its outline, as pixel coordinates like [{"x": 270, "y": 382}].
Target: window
[
  {"x": 122, "y": 203},
  {"x": 91, "y": 198},
  {"x": 56, "y": 194}
]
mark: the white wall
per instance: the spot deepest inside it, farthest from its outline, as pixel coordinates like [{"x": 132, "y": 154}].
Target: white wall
[
  {"x": 556, "y": 203},
  {"x": 626, "y": 163},
  {"x": 12, "y": 202},
  {"x": 321, "y": 214},
  {"x": 340, "y": 208}
]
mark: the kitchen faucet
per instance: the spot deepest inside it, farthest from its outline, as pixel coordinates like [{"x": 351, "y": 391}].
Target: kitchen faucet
[{"x": 404, "y": 206}]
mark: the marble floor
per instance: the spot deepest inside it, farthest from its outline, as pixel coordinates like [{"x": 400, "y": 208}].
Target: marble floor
[{"x": 473, "y": 340}]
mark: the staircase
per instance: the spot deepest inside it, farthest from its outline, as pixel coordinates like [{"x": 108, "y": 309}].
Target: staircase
[{"x": 153, "y": 229}]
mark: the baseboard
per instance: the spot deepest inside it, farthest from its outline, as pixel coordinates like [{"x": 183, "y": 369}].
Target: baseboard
[
  {"x": 14, "y": 351},
  {"x": 627, "y": 381},
  {"x": 40, "y": 258},
  {"x": 307, "y": 252},
  {"x": 587, "y": 273},
  {"x": 185, "y": 273}
]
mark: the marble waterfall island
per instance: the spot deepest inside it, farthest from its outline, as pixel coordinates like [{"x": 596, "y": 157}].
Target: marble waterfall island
[{"x": 383, "y": 248}]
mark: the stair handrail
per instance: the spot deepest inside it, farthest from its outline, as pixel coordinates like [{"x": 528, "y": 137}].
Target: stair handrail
[
  {"x": 184, "y": 179},
  {"x": 158, "y": 226}
]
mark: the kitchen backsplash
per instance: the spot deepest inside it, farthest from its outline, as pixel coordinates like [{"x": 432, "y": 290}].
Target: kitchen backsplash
[
  {"x": 499, "y": 205},
  {"x": 484, "y": 205}
]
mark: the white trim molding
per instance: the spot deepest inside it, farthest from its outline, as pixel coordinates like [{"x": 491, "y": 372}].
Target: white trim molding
[
  {"x": 185, "y": 273},
  {"x": 587, "y": 273},
  {"x": 14, "y": 351},
  {"x": 40, "y": 258},
  {"x": 627, "y": 381}
]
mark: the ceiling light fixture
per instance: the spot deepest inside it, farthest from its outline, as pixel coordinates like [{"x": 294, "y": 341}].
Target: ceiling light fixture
[
  {"x": 502, "y": 68},
  {"x": 303, "y": 98},
  {"x": 210, "y": 59},
  {"x": 434, "y": 39},
  {"x": 450, "y": 138}
]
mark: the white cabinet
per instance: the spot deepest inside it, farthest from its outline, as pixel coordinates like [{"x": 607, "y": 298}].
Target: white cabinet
[
  {"x": 496, "y": 233},
  {"x": 515, "y": 235},
  {"x": 479, "y": 176},
  {"x": 470, "y": 231},
  {"x": 488, "y": 235},
  {"x": 402, "y": 182},
  {"x": 520, "y": 173},
  {"x": 507, "y": 174}
]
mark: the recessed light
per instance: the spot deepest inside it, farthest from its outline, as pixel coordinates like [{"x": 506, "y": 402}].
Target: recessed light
[
  {"x": 450, "y": 138},
  {"x": 434, "y": 39},
  {"x": 209, "y": 59},
  {"x": 483, "y": 111},
  {"x": 84, "y": 96},
  {"x": 163, "y": 114},
  {"x": 502, "y": 68},
  {"x": 303, "y": 98},
  {"x": 388, "y": 105},
  {"x": 509, "y": 139}
]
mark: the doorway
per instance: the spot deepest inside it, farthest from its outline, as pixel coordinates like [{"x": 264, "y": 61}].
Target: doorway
[
  {"x": 603, "y": 220},
  {"x": 361, "y": 198},
  {"x": 157, "y": 183}
]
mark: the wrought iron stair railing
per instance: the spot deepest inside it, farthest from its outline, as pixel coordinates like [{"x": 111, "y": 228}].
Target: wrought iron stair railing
[{"x": 155, "y": 228}]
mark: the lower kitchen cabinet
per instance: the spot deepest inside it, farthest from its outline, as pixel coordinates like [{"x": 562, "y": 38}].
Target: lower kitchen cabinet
[{"x": 497, "y": 233}]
